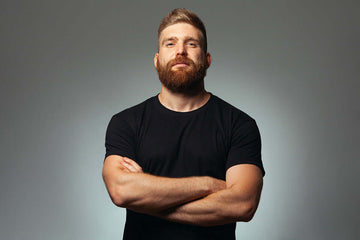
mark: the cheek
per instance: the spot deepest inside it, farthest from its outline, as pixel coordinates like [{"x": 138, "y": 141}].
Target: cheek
[
  {"x": 203, "y": 59},
  {"x": 164, "y": 60},
  {"x": 161, "y": 62},
  {"x": 198, "y": 57}
]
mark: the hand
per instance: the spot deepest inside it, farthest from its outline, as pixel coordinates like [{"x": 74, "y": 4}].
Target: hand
[
  {"x": 130, "y": 165},
  {"x": 217, "y": 185}
]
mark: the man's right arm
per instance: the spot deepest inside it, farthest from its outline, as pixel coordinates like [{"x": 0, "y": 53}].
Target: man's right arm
[{"x": 145, "y": 193}]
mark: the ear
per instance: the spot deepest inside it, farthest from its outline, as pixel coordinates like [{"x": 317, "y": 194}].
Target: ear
[
  {"x": 208, "y": 60},
  {"x": 156, "y": 60}
]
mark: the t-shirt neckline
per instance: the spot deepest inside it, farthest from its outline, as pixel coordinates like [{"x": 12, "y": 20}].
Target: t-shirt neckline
[{"x": 166, "y": 110}]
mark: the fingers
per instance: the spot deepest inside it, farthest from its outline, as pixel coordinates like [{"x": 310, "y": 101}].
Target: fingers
[
  {"x": 131, "y": 165},
  {"x": 218, "y": 185},
  {"x": 123, "y": 168}
]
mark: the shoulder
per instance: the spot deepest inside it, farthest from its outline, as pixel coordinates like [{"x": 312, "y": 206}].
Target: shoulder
[
  {"x": 244, "y": 135},
  {"x": 134, "y": 112},
  {"x": 130, "y": 117},
  {"x": 232, "y": 113}
]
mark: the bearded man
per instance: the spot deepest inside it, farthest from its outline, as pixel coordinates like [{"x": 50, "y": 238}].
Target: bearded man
[{"x": 185, "y": 164}]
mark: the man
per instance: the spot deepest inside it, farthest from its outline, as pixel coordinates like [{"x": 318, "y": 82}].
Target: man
[{"x": 185, "y": 164}]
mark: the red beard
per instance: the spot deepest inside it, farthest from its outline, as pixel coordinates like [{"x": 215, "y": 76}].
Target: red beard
[{"x": 183, "y": 79}]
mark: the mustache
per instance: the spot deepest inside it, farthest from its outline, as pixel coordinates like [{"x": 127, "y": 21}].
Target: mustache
[{"x": 181, "y": 59}]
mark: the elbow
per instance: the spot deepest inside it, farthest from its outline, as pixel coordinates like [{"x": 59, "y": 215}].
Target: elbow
[
  {"x": 119, "y": 197},
  {"x": 118, "y": 200},
  {"x": 247, "y": 217},
  {"x": 117, "y": 191},
  {"x": 246, "y": 212}
]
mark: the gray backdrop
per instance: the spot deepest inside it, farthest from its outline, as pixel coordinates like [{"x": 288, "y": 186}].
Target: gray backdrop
[{"x": 68, "y": 66}]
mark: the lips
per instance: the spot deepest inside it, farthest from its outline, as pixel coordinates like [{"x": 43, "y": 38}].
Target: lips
[
  {"x": 181, "y": 61},
  {"x": 181, "y": 64}
]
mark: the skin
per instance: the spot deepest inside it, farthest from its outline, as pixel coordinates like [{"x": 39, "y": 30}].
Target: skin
[
  {"x": 236, "y": 202},
  {"x": 130, "y": 188},
  {"x": 181, "y": 39},
  {"x": 203, "y": 201}
]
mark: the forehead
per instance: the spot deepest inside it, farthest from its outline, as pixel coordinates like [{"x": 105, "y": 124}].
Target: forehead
[{"x": 180, "y": 31}]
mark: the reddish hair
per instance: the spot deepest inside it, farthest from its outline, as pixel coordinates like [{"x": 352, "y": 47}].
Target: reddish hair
[{"x": 182, "y": 15}]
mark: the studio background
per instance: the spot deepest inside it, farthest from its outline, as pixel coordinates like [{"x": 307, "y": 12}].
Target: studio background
[{"x": 68, "y": 66}]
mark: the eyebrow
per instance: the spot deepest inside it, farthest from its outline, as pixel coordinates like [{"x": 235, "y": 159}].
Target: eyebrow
[
  {"x": 168, "y": 39},
  {"x": 192, "y": 39},
  {"x": 175, "y": 38}
]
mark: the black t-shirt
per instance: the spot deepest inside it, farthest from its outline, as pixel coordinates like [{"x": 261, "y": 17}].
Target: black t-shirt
[{"x": 203, "y": 142}]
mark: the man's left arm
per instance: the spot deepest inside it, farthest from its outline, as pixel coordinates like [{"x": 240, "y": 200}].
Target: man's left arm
[{"x": 238, "y": 202}]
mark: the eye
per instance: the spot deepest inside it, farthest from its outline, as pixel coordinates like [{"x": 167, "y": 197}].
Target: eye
[
  {"x": 169, "y": 44},
  {"x": 192, "y": 44}
]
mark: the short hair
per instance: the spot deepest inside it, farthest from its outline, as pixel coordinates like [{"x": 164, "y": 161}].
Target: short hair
[{"x": 182, "y": 15}]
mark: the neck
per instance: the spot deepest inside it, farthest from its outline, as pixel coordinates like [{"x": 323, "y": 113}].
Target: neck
[{"x": 183, "y": 102}]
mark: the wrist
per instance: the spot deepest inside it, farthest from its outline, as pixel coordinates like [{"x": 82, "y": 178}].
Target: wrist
[{"x": 216, "y": 185}]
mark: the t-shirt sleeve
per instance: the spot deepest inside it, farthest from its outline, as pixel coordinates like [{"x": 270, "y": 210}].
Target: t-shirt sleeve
[
  {"x": 245, "y": 145},
  {"x": 120, "y": 137}
]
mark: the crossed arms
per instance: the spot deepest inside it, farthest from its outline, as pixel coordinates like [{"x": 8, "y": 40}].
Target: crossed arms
[{"x": 203, "y": 200}]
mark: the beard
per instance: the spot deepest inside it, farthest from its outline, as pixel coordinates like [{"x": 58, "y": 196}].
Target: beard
[{"x": 188, "y": 80}]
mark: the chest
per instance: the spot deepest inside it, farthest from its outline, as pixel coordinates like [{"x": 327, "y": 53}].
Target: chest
[{"x": 180, "y": 147}]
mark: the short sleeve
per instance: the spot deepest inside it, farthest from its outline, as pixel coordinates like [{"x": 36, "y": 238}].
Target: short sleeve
[
  {"x": 245, "y": 145},
  {"x": 120, "y": 137}
]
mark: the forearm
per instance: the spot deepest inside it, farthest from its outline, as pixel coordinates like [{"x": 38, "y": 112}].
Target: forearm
[
  {"x": 129, "y": 187},
  {"x": 216, "y": 209},
  {"x": 238, "y": 202},
  {"x": 146, "y": 193}
]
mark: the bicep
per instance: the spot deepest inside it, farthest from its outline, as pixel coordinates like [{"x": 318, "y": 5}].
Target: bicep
[
  {"x": 112, "y": 169},
  {"x": 246, "y": 182}
]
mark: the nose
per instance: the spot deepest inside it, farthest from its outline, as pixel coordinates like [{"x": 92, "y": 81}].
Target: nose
[{"x": 181, "y": 50}]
